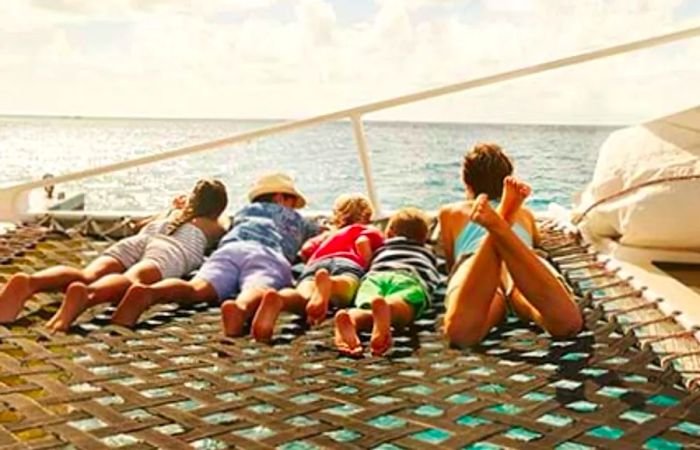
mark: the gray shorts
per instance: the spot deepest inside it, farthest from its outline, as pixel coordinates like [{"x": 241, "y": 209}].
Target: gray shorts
[
  {"x": 334, "y": 266},
  {"x": 172, "y": 258}
]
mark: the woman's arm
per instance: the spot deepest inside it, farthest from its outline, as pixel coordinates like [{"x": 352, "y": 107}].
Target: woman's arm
[
  {"x": 534, "y": 229},
  {"x": 444, "y": 219}
]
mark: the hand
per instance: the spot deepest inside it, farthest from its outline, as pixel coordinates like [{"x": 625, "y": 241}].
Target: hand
[{"x": 179, "y": 202}]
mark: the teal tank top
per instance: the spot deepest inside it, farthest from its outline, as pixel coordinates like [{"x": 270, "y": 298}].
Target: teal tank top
[{"x": 473, "y": 234}]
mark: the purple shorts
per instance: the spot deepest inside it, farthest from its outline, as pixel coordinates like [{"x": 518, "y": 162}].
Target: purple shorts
[{"x": 242, "y": 265}]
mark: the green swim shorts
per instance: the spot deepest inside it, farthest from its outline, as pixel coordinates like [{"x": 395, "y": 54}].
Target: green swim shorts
[{"x": 392, "y": 284}]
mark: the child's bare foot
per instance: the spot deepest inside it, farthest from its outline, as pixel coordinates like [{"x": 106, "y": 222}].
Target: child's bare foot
[
  {"x": 12, "y": 297},
  {"x": 485, "y": 215},
  {"x": 74, "y": 303},
  {"x": 346, "y": 339},
  {"x": 514, "y": 194},
  {"x": 232, "y": 318},
  {"x": 136, "y": 300},
  {"x": 381, "y": 327},
  {"x": 264, "y": 321},
  {"x": 317, "y": 308}
]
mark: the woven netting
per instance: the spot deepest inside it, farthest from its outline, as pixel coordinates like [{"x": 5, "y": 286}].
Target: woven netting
[{"x": 175, "y": 382}]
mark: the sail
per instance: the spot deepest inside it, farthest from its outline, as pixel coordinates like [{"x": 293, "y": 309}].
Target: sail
[{"x": 645, "y": 190}]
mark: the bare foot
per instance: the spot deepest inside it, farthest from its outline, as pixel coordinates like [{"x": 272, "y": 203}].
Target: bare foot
[
  {"x": 485, "y": 215},
  {"x": 514, "y": 194},
  {"x": 264, "y": 321},
  {"x": 13, "y": 295},
  {"x": 136, "y": 300},
  {"x": 232, "y": 319},
  {"x": 381, "y": 327},
  {"x": 74, "y": 303},
  {"x": 317, "y": 308},
  {"x": 346, "y": 339}
]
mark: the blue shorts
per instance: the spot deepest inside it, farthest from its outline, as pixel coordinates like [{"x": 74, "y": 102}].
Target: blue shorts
[
  {"x": 243, "y": 265},
  {"x": 334, "y": 266}
]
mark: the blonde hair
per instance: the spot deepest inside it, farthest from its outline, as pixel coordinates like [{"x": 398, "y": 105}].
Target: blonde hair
[
  {"x": 349, "y": 209},
  {"x": 208, "y": 199},
  {"x": 411, "y": 223}
]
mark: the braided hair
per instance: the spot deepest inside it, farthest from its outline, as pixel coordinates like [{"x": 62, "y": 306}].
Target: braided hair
[
  {"x": 349, "y": 209},
  {"x": 208, "y": 199}
]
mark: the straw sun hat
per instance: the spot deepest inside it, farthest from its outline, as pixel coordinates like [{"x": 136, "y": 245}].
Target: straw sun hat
[{"x": 274, "y": 183}]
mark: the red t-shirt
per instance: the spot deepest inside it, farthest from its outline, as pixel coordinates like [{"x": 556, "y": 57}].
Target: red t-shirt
[{"x": 341, "y": 244}]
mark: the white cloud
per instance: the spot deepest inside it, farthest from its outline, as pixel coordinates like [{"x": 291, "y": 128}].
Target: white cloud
[{"x": 291, "y": 58}]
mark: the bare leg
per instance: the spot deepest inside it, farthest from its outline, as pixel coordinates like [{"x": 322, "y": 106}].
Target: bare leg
[
  {"x": 107, "y": 289},
  {"x": 20, "y": 287},
  {"x": 340, "y": 289},
  {"x": 140, "y": 297},
  {"x": 74, "y": 303},
  {"x": 385, "y": 313},
  {"x": 381, "y": 326},
  {"x": 272, "y": 304},
  {"x": 347, "y": 324},
  {"x": 523, "y": 309},
  {"x": 14, "y": 295},
  {"x": 558, "y": 313},
  {"x": 343, "y": 290},
  {"x": 317, "y": 308},
  {"x": 235, "y": 313},
  {"x": 473, "y": 303}
]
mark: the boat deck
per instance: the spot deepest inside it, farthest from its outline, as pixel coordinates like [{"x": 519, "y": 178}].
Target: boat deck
[
  {"x": 688, "y": 274},
  {"x": 629, "y": 381}
]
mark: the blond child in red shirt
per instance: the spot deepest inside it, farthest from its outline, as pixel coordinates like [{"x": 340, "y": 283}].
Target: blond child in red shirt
[{"x": 335, "y": 263}]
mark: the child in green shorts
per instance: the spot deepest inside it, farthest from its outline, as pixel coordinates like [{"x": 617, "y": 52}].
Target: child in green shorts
[{"x": 397, "y": 288}]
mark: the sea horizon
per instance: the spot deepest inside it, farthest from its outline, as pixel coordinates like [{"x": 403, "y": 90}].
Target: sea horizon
[
  {"x": 413, "y": 163},
  {"x": 288, "y": 119}
]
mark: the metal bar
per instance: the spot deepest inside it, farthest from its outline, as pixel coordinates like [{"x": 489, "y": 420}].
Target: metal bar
[
  {"x": 362, "y": 149},
  {"x": 11, "y": 201}
]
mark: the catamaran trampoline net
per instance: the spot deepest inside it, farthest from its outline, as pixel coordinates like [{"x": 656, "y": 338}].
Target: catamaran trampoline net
[{"x": 628, "y": 381}]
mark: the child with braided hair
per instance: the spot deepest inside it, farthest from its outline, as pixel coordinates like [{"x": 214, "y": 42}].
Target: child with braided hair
[
  {"x": 335, "y": 262},
  {"x": 164, "y": 248}
]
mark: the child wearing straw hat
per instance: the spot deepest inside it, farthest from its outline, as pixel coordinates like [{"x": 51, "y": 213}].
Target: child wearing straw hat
[{"x": 255, "y": 255}]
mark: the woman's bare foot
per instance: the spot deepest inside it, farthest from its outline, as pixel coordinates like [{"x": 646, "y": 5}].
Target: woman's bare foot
[
  {"x": 485, "y": 215},
  {"x": 12, "y": 297},
  {"x": 74, "y": 303},
  {"x": 136, "y": 300},
  {"x": 381, "y": 327},
  {"x": 232, "y": 319},
  {"x": 317, "y": 308},
  {"x": 514, "y": 194},
  {"x": 346, "y": 339},
  {"x": 264, "y": 321}
]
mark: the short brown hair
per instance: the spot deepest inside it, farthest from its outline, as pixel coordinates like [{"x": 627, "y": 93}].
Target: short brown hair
[
  {"x": 484, "y": 168},
  {"x": 411, "y": 223}
]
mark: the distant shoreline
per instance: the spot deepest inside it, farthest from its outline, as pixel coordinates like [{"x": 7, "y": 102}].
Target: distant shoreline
[{"x": 277, "y": 120}]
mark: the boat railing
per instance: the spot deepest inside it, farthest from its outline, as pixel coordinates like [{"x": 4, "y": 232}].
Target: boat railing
[{"x": 13, "y": 199}]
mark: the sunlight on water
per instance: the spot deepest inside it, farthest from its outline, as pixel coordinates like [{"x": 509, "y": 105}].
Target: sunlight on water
[{"x": 414, "y": 163}]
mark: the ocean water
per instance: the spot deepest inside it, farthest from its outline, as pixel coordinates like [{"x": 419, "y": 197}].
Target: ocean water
[{"x": 413, "y": 163}]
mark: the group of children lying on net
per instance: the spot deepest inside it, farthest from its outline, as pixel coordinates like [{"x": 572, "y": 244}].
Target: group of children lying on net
[{"x": 375, "y": 279}]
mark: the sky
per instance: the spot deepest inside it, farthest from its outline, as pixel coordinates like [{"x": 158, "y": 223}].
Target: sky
[{"x": 298, "y": 58}]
